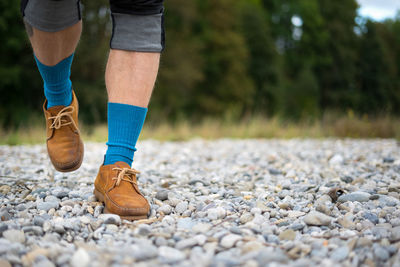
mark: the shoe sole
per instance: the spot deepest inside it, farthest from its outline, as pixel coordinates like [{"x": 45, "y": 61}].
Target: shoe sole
[
  {"x": 70, "y": 169},
  {"x": 100, "y": 198}
]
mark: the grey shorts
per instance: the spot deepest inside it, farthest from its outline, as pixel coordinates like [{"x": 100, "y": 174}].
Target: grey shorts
[{"x": 137, "y": 24}]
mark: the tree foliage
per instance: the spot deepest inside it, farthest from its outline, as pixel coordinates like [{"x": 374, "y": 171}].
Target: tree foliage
[{"x": 231, "y": 58}]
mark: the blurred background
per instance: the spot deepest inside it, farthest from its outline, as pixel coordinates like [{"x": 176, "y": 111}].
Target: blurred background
[{"x": 231, "y": 68}]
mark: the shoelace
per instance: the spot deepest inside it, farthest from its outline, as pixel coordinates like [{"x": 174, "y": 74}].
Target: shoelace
[
  {"x": 125, "y": 172},
  {"x": 58, "y": 120}
]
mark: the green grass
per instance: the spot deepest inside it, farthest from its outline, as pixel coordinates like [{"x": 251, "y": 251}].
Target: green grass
[{"x": 257, "y": 127}]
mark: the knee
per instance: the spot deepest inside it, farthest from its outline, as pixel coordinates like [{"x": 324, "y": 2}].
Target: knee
[{"x": 51, "y": 15}]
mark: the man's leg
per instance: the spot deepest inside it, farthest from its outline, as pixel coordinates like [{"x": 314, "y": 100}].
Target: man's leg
[
  {"x": 131, "y": 72},
  {"x": 130, "y": 78},
  {"x": 54, "y": 29}
]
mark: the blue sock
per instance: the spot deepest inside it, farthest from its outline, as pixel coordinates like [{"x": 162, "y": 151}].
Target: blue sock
[
  {"x": 125, "y": 123},
  {"x": 57, "y": 84}
]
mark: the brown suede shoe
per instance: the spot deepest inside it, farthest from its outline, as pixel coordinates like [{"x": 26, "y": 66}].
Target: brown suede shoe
[
  {"x": 116, "y": 186},
  {"x": 64, "y": 144}
]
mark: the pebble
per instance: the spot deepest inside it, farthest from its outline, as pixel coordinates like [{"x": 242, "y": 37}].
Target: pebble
[
  {"x": 336, "y": 160},
  {"x": 110, "y": 219},
  {"x": 381, "y": 253},
  {"x": 213, "y": 203},
  {"x": 80, "y": 258},
  {"x": 170, "y": 255},
  {"x": 317, "y": 218},
  {"x": 143, "y": 229},
  {"x": 5, "y": 215},
  {"x": 230, "y": 240},
  {"x": 165, "y": 209},
  {"x": 216, "y": 213},
  {"x": 340, "y": 253},
  {"x": 162, "y": 195},
  {"x": 288, "y": 234},
  {"x": 246, "y": 217},
  {"x": 371, "y": 217},
  {"x": 14, "y": 236},
  {"x": 355, "y": 196},
  {"x": 46, "y": 206},
  {"x": 181, "y": 207}
]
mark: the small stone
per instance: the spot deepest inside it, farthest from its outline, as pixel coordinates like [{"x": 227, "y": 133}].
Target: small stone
[
  {"x": 266, "y": 256},
  {"x": 355, "y": 196},
  {"x": 5, "y": 215},
  {"x": 297, "y": 226},
  {"x": 60, "y": 192},
  {"x": 340, "y": 253},
  {"x": 381, "y": 253},
  {"x": 273, "y": 171},
  {"x": 5, "y": 189},
  {"x": 3, "y": 227},
  {"x": 185, "y": 223},
  {"x": 15, "y": 236},
  {"x": 5, "y": 263},
  {"x": 59, "y": 228},
  {"x": 160, "y": 241},
  {"x": 43, "y": 261},
  {"x": 346, "y": 223},
  {"x": 166, "y": 209},
  {"x": 144, "y": 252},
  {"x": 288, "y": 234},
  {"x": 80, "y": 258},
  {"x": 347, "y": 179},
  {"x": 395, "y": 234},
  {"x": 388, "y": 160},
  {"x": 363, "y": 242},
  {"x": 186, "y": 243},
  {"x": 336, "y": 160},
  {"x": 252, "y": 246},
  {"x": 111, "y": 228},
  {"x": 97, "y": 211},
  {"x": 181, "y": 207},
  {"x": 46, "y": 206},
  {"x": 162, "y": 195},
  {"x": 317, "y": 218},
  {"x": 52, "y": 199},
  {"x": 371, "y": 217},
  {"x": 110, "y": 219},
  {"x": 295, "y": 213},
  {"x": 33, "y": 229},
  {"x": 143, "y": 229},
  {"x": 246, "y": 217},
  {"x": 170, "y": 255},
  {"x": 216, "y": 213},
  {"x": 230, "y": 240},
  {"x": 20, "y": 207},
  {"x": 201, "y": 227}
]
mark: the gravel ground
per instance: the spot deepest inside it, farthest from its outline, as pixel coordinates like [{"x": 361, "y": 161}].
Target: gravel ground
[{"x": 214, "y": 203}]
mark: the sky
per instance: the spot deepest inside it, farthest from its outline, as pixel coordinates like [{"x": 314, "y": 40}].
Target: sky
[{"x": 379, "y": 9}]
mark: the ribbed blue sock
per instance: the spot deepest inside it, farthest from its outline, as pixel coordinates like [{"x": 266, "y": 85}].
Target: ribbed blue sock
[
  {"x": 57, "y": 84},
  {"x": 125, "y": 123}
]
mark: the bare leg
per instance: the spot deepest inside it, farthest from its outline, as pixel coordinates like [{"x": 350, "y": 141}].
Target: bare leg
[
  {"x": 52, "y": 47},
  {"x": 130, "y": 76}
]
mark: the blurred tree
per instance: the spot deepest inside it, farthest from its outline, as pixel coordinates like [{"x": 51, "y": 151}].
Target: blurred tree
[
  {"x": 20, "y": 84},
  {"x": 264, "y": 63},
  {"x": 227, "y": 87},
  {"x": 336, "y": 75},
  {"x": 377, "y": 70},
  {"x": 224, "y": 57},
  {"x": 182, "y": 63}
]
